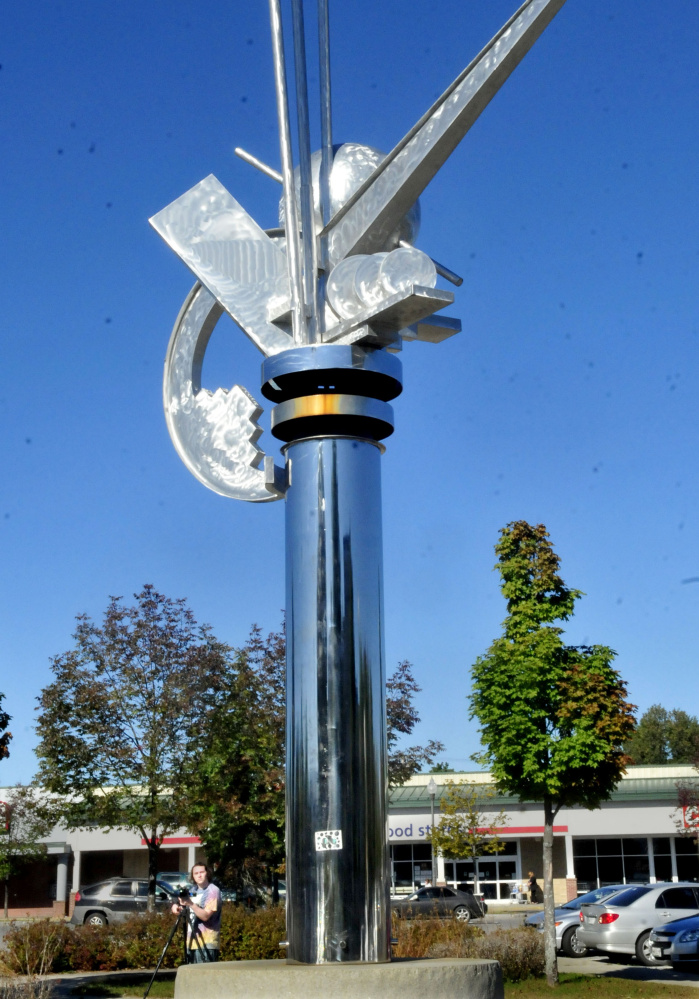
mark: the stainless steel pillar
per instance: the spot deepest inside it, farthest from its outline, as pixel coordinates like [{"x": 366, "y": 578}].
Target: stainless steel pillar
[{"x": 337, "y": 859}]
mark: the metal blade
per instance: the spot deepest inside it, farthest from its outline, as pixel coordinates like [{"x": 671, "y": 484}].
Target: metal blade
[
  {"x": 369, "y": 217},
  {"x": 232, "y": 257}
]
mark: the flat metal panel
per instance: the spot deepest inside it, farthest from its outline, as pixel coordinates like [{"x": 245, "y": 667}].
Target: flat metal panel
[
  {"x": 233, "y": 257},
  {"x": 394, "y": 312}
]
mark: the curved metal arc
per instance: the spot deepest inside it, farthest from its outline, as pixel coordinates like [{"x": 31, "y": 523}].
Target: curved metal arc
[
  {"x": 375, "y": 208},
  {"x": 214, "y": 433}
]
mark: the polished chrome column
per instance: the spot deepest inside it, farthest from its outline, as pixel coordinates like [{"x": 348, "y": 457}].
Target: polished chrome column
[{"x": 337, "y": 855}]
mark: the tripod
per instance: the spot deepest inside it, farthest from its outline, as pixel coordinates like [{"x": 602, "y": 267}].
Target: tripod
[{"x": 182, "y": 920}]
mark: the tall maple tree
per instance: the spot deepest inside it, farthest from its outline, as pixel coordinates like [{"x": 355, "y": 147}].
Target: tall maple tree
[
  {"x": 121, "y": 717},
  {"x": 232, "y": 796},
  {"x": 553, "y": 718},
  {"x": 234, "y": 791}
]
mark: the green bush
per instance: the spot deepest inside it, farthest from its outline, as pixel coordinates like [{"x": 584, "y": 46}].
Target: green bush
[
  {"x": 44, "y": 946},
  {"x": 34, "y": 948},
  {"x": 253, "y": 935}
]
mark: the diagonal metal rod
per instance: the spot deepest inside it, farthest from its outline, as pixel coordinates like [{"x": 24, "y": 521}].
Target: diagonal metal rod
[
  {"x": 298, "y": 312},
  {"x": 258, "y": 164},
  {"x": 308, "y": 237},
  {"x": 326, "y": 124}
]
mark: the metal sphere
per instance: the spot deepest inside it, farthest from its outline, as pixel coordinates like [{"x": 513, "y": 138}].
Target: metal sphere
[{"x": 352, "y": 165}]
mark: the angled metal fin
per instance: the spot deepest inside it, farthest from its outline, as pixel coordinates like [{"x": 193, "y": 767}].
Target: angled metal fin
[
  {"x": 369, "y": 217},
  {"x": 236, "y": 260}
]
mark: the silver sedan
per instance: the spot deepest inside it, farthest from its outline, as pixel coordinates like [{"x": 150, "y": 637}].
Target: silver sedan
[
  {"x": 567, "y": 920},
  {"x": 623, "y": 925}
]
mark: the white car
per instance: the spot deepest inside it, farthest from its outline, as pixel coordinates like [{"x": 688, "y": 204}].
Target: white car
[
  {"x": 567, "y": 919},
  {"x": 623, "y": 924}
]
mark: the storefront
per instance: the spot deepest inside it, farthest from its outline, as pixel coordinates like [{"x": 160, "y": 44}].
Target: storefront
[{"x": 639, "y": 835}]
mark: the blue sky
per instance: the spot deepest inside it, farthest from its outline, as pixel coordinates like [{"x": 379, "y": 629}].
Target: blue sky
[{"x": 570, "y": 397}]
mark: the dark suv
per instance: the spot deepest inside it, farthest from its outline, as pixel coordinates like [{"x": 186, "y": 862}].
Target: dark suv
[{"x": 112, "y": 901}]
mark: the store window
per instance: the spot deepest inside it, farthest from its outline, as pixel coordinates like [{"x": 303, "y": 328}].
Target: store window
[
  {"x": 600, "y": 862},
  {"x": 662, "y": 858},
  {"x": 411, "y": 864},
  {"x": 497, "y": 873},
  {"x": 687, "y": 862}
]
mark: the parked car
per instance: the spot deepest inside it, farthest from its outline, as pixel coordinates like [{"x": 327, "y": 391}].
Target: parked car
[
  {"x": 678, "y": 942},
  {"x": 176, "y": 879},
  {"x": 113, "y": 900},
  {"x": 439, "y": 902},
  {"x": 567, "y": 919},
  {"x": 623, "y": 925}
]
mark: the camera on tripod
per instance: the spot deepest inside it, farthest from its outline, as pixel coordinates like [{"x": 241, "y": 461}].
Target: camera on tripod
[{"x": 183, "y": 893}]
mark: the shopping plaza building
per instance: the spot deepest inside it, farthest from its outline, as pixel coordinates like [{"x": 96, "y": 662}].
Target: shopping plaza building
[{"x": 639, "y": 835}]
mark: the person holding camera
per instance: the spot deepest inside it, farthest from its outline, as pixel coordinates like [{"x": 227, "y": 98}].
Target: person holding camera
[{"x": 204, "y": 916}]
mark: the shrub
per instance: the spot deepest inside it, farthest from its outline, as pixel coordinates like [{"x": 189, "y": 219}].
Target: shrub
[
  {"x": 33, "y": 948},
  {"x": 252, "y": 935},
  {"x": 418, "y": 937},
  {"x": 27, "y": 988},
  {"x": 43, "y": 946},
  {"x": 520, "y": 952}
]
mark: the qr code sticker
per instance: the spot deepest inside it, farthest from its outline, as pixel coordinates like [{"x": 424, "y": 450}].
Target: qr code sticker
[{"x": 329, "y": 839}]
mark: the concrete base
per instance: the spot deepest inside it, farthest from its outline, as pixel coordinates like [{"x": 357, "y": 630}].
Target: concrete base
[{"x": 406, "y": 978}]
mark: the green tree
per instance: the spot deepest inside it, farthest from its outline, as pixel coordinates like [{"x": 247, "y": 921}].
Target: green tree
[
  {"x": 553, "y": 718},
  {"x": 5, "y": 736},
  {"x": 464, "y": 829},
  {"x": 233, "y": 792},
  {"x": 441, "y": 768},
  {"x": 24, "y": 820},
  {"x": 664, "y": 736},
  {"x": 234, "y": 798},
  {"x": 121, "y": 717}
]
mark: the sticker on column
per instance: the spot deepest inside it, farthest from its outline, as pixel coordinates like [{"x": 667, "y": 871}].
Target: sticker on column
[{"x": 329, "y": 839}]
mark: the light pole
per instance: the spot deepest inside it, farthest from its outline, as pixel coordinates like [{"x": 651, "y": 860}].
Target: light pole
[{"x": 432, "y": 790}]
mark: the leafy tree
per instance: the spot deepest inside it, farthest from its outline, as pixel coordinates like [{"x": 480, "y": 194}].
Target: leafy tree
[
  {"x": 402, "y": 717},
  {"x": 553, "y": 718},
  {"x": 441, "y": 768},
  {"x": 5, "y": 736},
  {"x": 663, "y": 736},
  {"x": 234, "y": 797},
  {"x": 24, "y": 820},
  {"x": 464, "y": 829},
  {"x": 121, "y": 717},
  {"x": 233, "y": 794}
]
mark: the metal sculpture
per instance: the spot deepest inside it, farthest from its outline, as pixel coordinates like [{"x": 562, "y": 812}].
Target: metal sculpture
[{"x": 328, "y": 298}]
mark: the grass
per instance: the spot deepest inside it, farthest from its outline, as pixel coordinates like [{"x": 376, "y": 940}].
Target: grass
[
  {"x": 159, "y": 990},
  {"x": 573, "y": 986}
]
